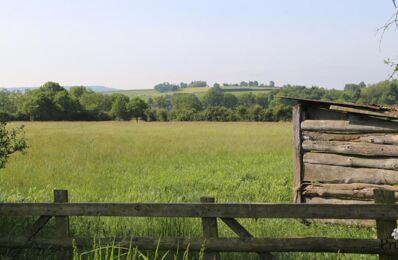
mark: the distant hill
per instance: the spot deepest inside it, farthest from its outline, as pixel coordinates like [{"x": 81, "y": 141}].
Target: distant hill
[
  {"x": 99, "y": 89},
  {"x": 236, "y": 90}
]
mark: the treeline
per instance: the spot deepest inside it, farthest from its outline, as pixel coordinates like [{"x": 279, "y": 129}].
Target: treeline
[
  {"x": 170, "y": 87},
  {"x": 53, "y": 102}
]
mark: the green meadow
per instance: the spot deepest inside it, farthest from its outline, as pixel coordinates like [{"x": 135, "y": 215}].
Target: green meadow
[{"x": 161, "y": 162}]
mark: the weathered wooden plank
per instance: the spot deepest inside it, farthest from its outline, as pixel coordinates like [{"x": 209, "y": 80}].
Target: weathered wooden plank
[
  {"x": 351, "y": 148},
  {"x": 354, "y": 124},
  {"x": 210, "y": 230},
  {"x": 362, "y": 191},
  {"x": 376, "y": 138},
  {"x": 305, "y": 244},
  {"x": 385, "y": 227},
  {"x": 243, "y": 233},
  {"x": 62, "y": 224},
  {"x": 351, "y": 161},
  {"x": 338, "y": 174},
  {"x": 198, "y": 210},
  {"x": 364, "y": 111},
  {"x": 320, "y": 200},
  {"x": 297, "y": 153}
]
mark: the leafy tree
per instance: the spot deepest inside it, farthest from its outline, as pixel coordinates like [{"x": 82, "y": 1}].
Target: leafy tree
[
  {"x": 162, "y": 102},
  {"x": 186, "y": 101},
  {"x": 213, "y": 97},
  {"x": 198, "y": 84},
  {"x": 120, "y": 108},
  {"x": 137, "y": 108},
  {"x": 166, "y": 87},
  {"x": 230, "y": 100},
  {"x": 11, "y": 141}
]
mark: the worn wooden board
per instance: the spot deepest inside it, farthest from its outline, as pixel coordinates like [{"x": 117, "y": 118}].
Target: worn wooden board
[
  {"x": 353, "y": 124},
  {"x": 303, "y": 244},
  {"x": 351, "y": 148},
  {"x": 357, "y": 191},
  {"x": 376, "y": 138},
  {"x": 338, "y": 174},
  {"x": 390, "y": 163},
  {"x": 198, "y": 210},
  {"x": 297, "y": 153}
]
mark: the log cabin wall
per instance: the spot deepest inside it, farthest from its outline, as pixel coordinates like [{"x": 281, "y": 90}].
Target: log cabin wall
[{"x": 340, "y": 156}]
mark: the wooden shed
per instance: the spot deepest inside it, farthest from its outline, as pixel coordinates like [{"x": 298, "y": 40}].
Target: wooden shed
[{"x": 342, "y": 151}]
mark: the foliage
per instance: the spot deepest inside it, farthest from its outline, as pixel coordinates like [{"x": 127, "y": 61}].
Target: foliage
[
  {"x": 166, "y": 87},
  {"x": 53, "y": 102},
  {"x": 11, "y": 141}
]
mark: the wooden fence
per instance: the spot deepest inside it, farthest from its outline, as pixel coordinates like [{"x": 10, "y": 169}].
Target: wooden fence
[{"x": 384, "y": 211}]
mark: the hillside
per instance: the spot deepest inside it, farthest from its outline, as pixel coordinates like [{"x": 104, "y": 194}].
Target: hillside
[{"x": 146, "y": 93}]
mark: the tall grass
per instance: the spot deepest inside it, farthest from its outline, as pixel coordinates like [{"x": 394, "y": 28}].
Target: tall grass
[{"x": 161, "y": 162}]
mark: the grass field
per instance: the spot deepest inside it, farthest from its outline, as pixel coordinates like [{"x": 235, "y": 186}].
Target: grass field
[
  {"x": 162, "y": 162},
  {"x": 146, "y": 93}
]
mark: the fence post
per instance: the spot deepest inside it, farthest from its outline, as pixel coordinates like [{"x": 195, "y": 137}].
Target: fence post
[
  {"x": 385, "y": 227},
  {"x": 210, "y": 229},
  {"x": 62, "y": 225}
]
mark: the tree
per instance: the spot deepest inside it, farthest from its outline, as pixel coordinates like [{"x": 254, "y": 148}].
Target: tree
[
  {"x": 198, "y": 84},
  {"x": 213, "y": 97},
  {"x": 186, "y": 101},
  {"x": 166, "y": 87},
  {"x": 11, "y": 141},
  {"x": 120, "y": 108},
  {"x": 137, "y": 108},
  {"x": 230, "y": 100},
  {"x": 272, "y": 84}
]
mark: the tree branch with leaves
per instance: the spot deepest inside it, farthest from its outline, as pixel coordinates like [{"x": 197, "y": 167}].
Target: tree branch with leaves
[{"x": 11, "y": 141}]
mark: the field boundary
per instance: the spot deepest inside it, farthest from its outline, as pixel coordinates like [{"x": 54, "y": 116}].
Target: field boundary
[{"x": 384, "y": 211}]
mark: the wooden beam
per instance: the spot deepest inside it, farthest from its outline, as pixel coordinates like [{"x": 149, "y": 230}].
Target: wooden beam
[
  {"x": 354, "y": 124},
  {"x": 338, "y": 174},
  {"x": 351, "y": 161},
  {"x": 198, "y": 210},
  {"x": 306, "y": 244},
  {"x": 243, "y": 233},
  {"x": 361, "y": 191},
  {"x": 376, "y": 138},
  {"x": 30, "y": 233},
  {"x": 210, "y": 229},
  {"x": 62, "y": 224},
  {"x": 297, "y": 153},
  {"x": 385, "y": 227},
  {"x": 351, "y": 148},
  {"x": 364, "y": 111}
]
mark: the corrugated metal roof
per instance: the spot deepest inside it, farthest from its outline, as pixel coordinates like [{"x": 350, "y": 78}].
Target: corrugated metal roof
[{"x": 365, "y": 109}]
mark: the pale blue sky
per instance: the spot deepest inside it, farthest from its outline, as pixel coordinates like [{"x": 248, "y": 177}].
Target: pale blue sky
[{"x": 136, "y": 44}]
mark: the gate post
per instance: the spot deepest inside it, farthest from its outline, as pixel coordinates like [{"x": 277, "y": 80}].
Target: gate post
[
  {"x": 62, "y": 225},
  {"x": 210, "y": 230},
  {"x": 385, "y": 227}
]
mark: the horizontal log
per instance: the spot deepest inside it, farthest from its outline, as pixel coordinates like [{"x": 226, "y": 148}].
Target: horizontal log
[
  {"x": 346, "y": 191},
  {"x": 304, "y": 244},
  {"x": 366, "y": 138},
  {"x": 319, "y": 200},
  {"x": 338, "y": 174},
  {"x": 351, "y": 148},
  {"x": 222, "y": 210},
  {"x": 351, "y": 161},
  {"x": 353, "y": 124}
]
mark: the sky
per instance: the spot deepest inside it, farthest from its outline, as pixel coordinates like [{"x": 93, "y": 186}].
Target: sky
[{"x": 137, "y": 44}]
